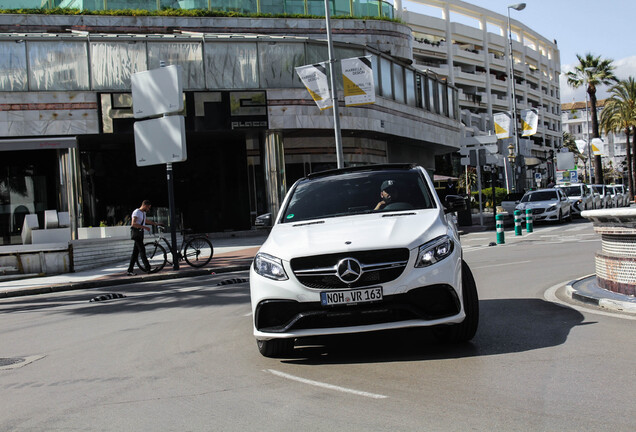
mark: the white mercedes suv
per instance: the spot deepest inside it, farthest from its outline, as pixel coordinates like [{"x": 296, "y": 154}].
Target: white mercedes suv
[{"x": 358, "y": 250}]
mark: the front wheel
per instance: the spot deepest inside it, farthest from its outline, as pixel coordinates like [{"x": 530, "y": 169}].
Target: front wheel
[
  {"x": 198, "y": 251},
  {"x": 156, "y": 255},
  {"x": 465, "y": 330}
]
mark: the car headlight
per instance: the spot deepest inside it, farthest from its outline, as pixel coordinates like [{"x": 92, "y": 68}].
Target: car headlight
[
  {"x": 269, "y": 267},
  {"x": 552, "y": 207},
  {"x": 434, "y": 251}
]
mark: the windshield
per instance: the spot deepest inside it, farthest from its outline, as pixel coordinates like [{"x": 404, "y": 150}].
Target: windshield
[
  {"x": 572, "y": 191},
  {"x": 598, "y": 189},
  {"x": 356, "y": 193},
  {"x": 540, "y": 196}
]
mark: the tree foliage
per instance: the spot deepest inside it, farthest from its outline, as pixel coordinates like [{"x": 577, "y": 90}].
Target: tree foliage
[
  {"x": 593, "y": 71},
  {"x": 619, "y": 115}
]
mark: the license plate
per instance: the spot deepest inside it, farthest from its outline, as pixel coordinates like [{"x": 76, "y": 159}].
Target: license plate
[{"x": 328, "y": 298}]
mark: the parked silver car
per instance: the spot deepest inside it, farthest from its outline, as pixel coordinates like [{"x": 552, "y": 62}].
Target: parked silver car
[
  {"x": 607, "y": 201},
  {"x": 579, "y": 195},
  {"x": 547, "y": 205},
  {"x": 596, "y": 198},
  {"x": 621, "y": 193}
]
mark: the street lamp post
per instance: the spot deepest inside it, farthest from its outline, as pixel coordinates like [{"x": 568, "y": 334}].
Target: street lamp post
[
  {"x": 511, "y": 159},
  {"x": 517, "y": 7}
]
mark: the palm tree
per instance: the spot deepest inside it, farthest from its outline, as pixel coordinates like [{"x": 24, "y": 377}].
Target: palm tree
[
  {"x": 593, "y": 72},
  {"x": 619, "y": 114},
  {"x": 570, "y": 143}
]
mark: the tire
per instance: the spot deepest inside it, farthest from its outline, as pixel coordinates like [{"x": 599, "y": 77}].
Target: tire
[
  {"x": 465, "y": 330},
  {"x": 275, "y": 347},
  {"x": 198, "y": 251},
  {"x": 560, "y": 220},
  {"x": 156, "y": 255}
]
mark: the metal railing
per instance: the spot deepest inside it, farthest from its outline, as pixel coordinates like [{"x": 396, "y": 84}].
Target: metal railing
[{"x": 354, "y": 8}]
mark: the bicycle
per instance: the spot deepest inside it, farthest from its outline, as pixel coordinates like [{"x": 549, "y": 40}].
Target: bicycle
[{"x": 196, "y": 249}]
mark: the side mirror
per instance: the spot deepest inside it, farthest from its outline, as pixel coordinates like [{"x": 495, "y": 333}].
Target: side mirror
[{"x": 454, "y": 203}]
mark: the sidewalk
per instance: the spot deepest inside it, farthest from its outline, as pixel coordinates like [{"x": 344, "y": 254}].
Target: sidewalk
[{"x": 231, "y": 254}]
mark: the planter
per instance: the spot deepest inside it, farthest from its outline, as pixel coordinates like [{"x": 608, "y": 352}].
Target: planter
[
  {"x": 103, "y": 232},
  {"x": 616, "y": 262}
]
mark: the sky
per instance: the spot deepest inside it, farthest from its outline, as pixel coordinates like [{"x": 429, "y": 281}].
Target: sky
[{"x": 603, "y": 28}]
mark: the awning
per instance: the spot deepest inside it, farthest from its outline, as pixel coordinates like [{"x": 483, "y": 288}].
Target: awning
[
  {"x": 37, "y": 143},
  {"x": 532, "y": 161}
]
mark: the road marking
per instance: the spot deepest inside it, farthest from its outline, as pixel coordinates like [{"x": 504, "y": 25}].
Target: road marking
[
  {"x": 325, "y": 385},
  {"x": 502, "y": 264},
  {"x": 550, "y": 295}
]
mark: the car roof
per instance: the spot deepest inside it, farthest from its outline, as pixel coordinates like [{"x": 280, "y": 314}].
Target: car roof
[{"x": 378, "y": 167}]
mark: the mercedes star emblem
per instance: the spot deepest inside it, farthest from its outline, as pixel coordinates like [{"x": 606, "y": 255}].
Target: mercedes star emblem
[{"x": 349, "y": 270}]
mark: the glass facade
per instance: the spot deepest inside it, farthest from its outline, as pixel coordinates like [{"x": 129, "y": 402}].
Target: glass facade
[
  {"x": 103, "y": 64},
  {"x": 359, "y": 8}
]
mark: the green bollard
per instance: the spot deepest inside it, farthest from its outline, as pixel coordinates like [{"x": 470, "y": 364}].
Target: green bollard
[
  {"x": 500, "y": 229},
  {"x": 518, "y": 219},
  {"x": 529, "y": 220}
]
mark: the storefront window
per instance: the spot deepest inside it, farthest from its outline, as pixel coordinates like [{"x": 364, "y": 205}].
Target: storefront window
[
  {"x": 277, "y": 62},
  {"x": 113, "y": 63},
  {"x": 231, "y": 65},
  {"x": 13, "y": 66},
  {"x": 27, "y": 186},
  {"x": 410, "y": 87},
  {"x": 187, "y": 55},
  {"x": 58, "y": 65},
  {"x": 398, "y": 81},
  {"x": 385, "y": 77}
]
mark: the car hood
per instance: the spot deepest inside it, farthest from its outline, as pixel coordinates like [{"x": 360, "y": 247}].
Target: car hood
[
  {"x": 351, "y": 233},
  {"x": 538, "y": 204}
]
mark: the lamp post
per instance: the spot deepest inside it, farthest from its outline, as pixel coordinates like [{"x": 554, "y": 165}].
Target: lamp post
[
  {"x": 586, "y": 134},
  {"x": 511, "y": 159},
  {"x": 517, "y": 7}
]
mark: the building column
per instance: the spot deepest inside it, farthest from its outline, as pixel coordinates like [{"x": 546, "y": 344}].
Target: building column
[
  {"x": 449, "y": 44},
  {"x": 274, "y": 160},
  {"x": 397, "y": 6},
  {"x": 69, "y": 194},
  {"x": 485, "y": 48}
]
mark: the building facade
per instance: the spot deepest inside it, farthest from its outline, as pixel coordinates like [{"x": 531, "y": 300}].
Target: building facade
[
  {"x": 576, "y": 118},
  {"x": 66, "y": 120},
  {"x": 469, "y": 45}
]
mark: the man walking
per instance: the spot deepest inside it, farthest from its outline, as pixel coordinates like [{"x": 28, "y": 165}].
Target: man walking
[{"x": 137, "y": 228}]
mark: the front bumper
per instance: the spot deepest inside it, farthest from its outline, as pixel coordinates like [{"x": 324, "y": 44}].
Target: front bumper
[{"x": 418, "y": 297}]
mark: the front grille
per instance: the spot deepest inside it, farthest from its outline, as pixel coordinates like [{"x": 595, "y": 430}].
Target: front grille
[
  {"x": 377, "y": 267},
  {"x": 537, "y": 211},
  {"x": 425, "y": 303}
]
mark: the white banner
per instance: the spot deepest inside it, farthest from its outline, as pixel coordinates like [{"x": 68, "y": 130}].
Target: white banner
[
  {"x": 529, "y": 121},
  {"x": 314, "y": 77},
  {"x": 598, "y": 147},
  {"x": 357, "y": 76},
  {"x": 503, "y": 122}
]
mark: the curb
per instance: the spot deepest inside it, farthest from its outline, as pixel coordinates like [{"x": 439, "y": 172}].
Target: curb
[
  {"x": 120, "y": 281},
  {"x": 586, "y": 291}
]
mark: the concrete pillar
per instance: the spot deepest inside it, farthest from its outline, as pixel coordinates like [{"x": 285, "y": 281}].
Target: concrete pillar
[
  {"x": 275, "y": 181},
  {"x": 397, "y": 5},
  {"x": 449, "y": 44}
]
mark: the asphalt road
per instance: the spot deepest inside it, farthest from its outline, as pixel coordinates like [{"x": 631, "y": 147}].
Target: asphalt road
[{"x": 179, "y": 356}]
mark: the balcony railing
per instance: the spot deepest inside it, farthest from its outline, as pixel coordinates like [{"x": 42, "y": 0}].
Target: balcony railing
[{"x": 357, "y": 8}]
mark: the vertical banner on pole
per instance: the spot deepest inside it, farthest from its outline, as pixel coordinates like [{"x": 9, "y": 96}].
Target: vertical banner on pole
[
  {"x": 314, "y": 77},
  {"x": 529, "y": 121},
  {"x": 357, "y": 76},
  {"x": 503, "y": 124}
]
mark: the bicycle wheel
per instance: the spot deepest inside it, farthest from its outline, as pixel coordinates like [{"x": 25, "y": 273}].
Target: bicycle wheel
[
  {"x": 198, "y": 251},
  {"x": 156, "y": 255}
]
